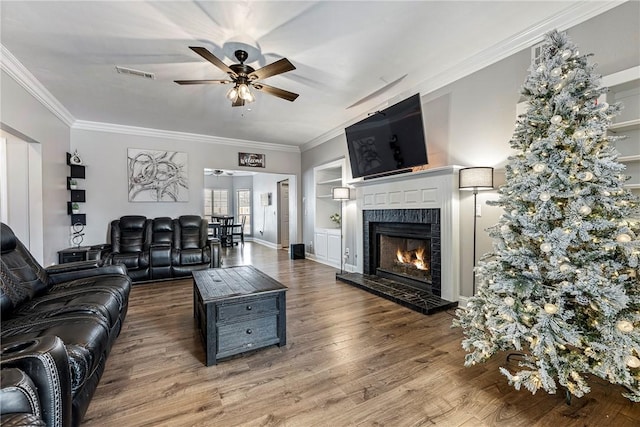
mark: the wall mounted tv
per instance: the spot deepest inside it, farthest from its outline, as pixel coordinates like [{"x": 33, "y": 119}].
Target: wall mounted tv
[{"x": 388, "y": 141}]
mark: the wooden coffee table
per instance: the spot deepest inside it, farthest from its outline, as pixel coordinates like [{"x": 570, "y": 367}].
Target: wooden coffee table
[{"x": 238, "y": 309}]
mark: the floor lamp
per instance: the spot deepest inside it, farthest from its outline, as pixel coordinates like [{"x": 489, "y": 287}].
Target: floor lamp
[
  {"x": 341, "y": 194},
  {"x": 475, "y": 179}
]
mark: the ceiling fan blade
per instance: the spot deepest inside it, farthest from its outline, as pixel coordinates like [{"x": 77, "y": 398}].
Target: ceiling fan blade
[
  {"x": 280, "y": 93},
  {"x": 202, "y": 82},
  {"x": 213, "y": 59},
  {"x": 280, "y": 66}
]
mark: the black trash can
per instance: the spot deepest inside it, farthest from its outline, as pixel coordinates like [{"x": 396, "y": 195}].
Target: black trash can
[{"x": 297, "y": 251}]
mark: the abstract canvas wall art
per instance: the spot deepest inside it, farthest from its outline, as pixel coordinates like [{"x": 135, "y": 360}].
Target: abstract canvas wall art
[{"x": 157, "y": 176}]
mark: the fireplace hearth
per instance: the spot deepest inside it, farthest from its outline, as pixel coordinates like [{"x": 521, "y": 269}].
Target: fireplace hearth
[{"x": 402, "y": 258}]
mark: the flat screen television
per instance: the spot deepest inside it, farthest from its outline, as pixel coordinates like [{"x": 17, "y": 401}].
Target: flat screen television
[{"x": 391, "y": 140}]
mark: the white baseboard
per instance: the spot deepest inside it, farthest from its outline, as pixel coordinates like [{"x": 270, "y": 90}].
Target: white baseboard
[
  {"x": 462, "y": 301},
  {"x": 350, "y": 268},
  {"x": 265, "y": 243},
  {"x": 321, "y": 261}
]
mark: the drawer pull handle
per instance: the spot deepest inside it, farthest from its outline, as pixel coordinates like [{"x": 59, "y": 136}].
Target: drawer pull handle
[
  {"x": 249, "y": 308},
  {"x": 249, "y": 331}
]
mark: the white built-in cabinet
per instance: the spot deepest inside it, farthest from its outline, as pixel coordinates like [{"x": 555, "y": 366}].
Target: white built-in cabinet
[
  {"x": 624, "y": 87},
  {"x": 327, "y": 236}
]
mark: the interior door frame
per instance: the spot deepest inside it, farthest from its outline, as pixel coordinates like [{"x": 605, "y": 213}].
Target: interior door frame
[
  {"x": 30, "y": 206},
  {"x": 280, "y": 209}
]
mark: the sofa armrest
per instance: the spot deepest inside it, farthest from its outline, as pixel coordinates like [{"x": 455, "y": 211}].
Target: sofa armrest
[
  {"x": 67, "y": 276},
  {"x": 44, "y": 360},
  {"x": 73, "y": 266},
  {"x": 21, "y": 420},
  {"x": 19, "y": 402},
  {"x": 103, "y": 247}
]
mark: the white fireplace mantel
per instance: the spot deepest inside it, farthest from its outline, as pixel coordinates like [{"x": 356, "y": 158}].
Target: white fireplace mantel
[{"x": 435, "y": 188}]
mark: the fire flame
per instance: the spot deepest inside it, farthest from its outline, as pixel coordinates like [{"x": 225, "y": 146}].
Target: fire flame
[{"x": 408, "y": 258}]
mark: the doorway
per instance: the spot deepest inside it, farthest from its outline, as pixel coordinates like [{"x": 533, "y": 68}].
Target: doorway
[
  {"x": 283, "y": 213},
  {"x": 21, "y": 194}
]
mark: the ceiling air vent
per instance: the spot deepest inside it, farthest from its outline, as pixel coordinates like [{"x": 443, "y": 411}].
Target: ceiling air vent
[
  {"x": 135, "y": 73},
  {"x": 536, "y": 54}
]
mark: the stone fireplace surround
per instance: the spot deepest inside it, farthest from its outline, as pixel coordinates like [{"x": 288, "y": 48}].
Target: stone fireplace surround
[{"x": 436, "y": 189}]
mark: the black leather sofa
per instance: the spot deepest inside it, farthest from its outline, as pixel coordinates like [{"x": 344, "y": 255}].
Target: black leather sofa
[
  {"x": 161, "y": 248},
  {"x": 58, "y": 327}
]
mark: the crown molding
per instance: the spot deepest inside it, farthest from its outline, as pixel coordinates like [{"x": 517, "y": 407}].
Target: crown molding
[
  {"x": 18, "y": 72},
  {"x": 569, "y": 17},
  {"x": 181, "y": 136}
]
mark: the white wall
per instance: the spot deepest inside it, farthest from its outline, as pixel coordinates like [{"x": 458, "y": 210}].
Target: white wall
[
  {"x": 23, "y": 114},
  {"x": 105, "y": 155}
]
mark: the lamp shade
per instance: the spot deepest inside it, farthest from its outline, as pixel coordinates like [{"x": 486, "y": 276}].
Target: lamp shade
[
  {"x": 340, "y": 193},
  {"x": 476, "y": 178}
]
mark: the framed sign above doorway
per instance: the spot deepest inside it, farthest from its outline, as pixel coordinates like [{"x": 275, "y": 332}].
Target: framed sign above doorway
[{"x": 251, "y": 160}]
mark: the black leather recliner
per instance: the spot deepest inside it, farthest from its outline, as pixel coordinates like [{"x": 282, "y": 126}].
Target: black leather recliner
[
  {"x": 160, "y": 250},
  {"x": 191, "y": 250},
  {"x": 130, "y": 244},
  {"x": 58, "y": 326}
]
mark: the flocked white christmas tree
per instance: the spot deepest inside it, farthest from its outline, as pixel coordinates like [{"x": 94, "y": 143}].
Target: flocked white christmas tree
[{"x": 561, "y": 286}]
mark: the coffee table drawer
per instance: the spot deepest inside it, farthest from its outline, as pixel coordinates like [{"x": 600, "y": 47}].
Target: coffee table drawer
[
  {"x": 247, "y": 307},
  {"x": 239, "y": 337}
]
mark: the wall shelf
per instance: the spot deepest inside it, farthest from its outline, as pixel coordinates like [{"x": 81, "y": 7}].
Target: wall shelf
[
  {"x": 629, "y": 159},
  {"x": 336, "y": 181},
  {"x": 624, "y": 87},
  {"x": 76, "y": 172},
  {"x": 625, "y": 126},
  {"x": 327, "y": 240}
]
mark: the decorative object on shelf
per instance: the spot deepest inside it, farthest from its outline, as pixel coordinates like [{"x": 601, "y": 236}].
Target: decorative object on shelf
[
  {"x": 475, "y": 179},
  {"x": 75, "y": 158},
  {"x": 341, "y": 194},
  {"x": 77, "y": 235},
  {"x": 73, "y": 184},
  {"x": 157, "y": 176},
  {"x": 335, "y": 218},
  {"x": 75, "y": 208}
]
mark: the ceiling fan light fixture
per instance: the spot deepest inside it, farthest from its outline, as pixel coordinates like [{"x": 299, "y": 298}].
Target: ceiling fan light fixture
[
  {"x": 232, "y": 95},
  {"x": 242, "y": 76},
  {"x": 243, "y": 92}
]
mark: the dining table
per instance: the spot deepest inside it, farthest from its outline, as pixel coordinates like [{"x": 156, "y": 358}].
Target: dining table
[{"x": 223, "y": 229}]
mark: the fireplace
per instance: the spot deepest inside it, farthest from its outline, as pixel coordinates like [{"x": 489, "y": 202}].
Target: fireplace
[
  {"x": 404, "y": 245},
  {"x": 410, "y": 211},
  {"x": 403, "y": 258}
]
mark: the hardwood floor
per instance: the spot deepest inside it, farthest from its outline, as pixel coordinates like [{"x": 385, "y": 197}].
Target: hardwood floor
[{"x": 351, "y": 359}]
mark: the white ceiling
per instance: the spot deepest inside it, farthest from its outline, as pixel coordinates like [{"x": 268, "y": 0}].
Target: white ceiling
[{"x": 344, "y": 52}]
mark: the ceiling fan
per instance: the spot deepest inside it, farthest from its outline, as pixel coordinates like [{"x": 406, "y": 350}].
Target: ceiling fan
[{"x": 244, "y": 76}]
